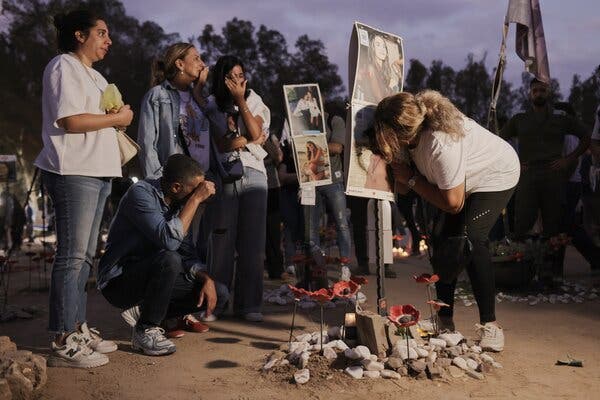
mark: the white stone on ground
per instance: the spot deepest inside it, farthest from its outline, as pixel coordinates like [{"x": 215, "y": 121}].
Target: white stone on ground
[
  {"x": 437, "y": 342},
  {"x": 460, "y": 363},
  {"x": 306, "y": 337},
  {"x": 329, "y": 353},
  {"x": 422, "y": 352},
  {"x": 334, "y": 332},
  {"x": 363, "y": 351},
  {"x": 370, "y": 365},
  {"x": 302, "y": 376},
  {"x": 372, "y": 374},
  {"x": 304, "y": 357},
  {"x": 355, "y": 372},
  {"x": 352, "y": 354},
  {"x": 451, "y": 339},
  {"x": 472, "y": 364},
  {"x": 389, "y": 374}
]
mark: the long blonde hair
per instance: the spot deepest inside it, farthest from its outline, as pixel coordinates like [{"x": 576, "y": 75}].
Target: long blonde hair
[{"x": 399, "y": 118}]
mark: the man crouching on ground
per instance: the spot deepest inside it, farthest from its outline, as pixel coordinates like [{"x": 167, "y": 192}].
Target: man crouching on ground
[{"x": 142, "y": 266}]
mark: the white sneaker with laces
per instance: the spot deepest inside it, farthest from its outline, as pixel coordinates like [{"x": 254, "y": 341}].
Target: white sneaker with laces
[
  {"x": 131, "y": 315},
  {"x": 75, "y": 354},
  {"x": 152, "y": 342},
  {"x": 291, "y": 269},
  {"x": 491, "y": 336},
  {"x": 91, "y": 338}
]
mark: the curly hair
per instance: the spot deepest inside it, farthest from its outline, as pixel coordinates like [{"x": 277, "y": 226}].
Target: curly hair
[{"x": 399, "y": 118}]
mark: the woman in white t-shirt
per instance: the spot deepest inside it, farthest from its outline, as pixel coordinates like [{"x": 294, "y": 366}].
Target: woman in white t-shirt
[
  {"x": 464, "y": 170},
  {"x": 78, "y": 160},
  {"x": 240, "y": 211}
]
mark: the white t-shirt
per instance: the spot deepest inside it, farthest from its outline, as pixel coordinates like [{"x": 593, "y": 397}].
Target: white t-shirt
[
  {"x": 68, "y": 89},
  {"x": 489, "y": 163},
  {"x": 255, "y": 155},
  {"x": 195, "y": 129},
  {"x": 596, "y": 131}
]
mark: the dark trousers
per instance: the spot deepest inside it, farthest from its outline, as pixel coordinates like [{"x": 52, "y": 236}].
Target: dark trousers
[
  {"x": 158, "y": 284},
  {"x": 405, "y": 206},
  {"x": 482, "y": 210},
  {"x": 539, "y": 189},
  {"x": 273, "y": 255},
  {"x": 358, "y": 218}
]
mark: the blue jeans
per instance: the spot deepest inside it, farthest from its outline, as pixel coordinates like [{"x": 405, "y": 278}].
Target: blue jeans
[
  {"x": 78, "y": 206},
  {"x": 239, "y": 227},
  {"x": 335, "y": 198}
]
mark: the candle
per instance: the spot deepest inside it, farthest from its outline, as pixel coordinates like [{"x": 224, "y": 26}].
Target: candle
[{"x": 350, "y": 319}]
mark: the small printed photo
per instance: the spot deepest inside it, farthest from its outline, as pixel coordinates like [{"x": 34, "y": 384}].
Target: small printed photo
[
  {"x": 367, "y": 171},
  {"x": 304, "y": 109},
  {"x": 312, "y": 156},
  {"x": 380, "y": 65}
]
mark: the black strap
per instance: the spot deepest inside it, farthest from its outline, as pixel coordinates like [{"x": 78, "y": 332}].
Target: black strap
[{"x": 182, "y": 141}]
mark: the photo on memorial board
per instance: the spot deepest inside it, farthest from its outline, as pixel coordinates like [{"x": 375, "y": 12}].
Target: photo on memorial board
[
  {"x": 379, "y": 65},
  {"x": 304, "y": 109},
  {"x": 312, "y": 160},
  {"x": 367, "y": 171}
]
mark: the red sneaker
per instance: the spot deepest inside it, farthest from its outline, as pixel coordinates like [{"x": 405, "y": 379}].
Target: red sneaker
[
  {"x": 191, "y": 324},
  {"x": 175, "y": 333}
]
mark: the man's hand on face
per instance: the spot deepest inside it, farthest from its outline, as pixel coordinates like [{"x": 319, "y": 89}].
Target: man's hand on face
[{"x": 204, "y": 190}]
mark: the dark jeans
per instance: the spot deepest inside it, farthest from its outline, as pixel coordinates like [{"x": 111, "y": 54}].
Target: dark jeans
[
  {"x": 273, "y": 255},
  {"x": 405, "y": 206},
  {"x": 543, "y": 189},
  {"x": 358, "y": 218},
  {"x": 482, "y": 210},
  {"x": 159, "y": 285}
]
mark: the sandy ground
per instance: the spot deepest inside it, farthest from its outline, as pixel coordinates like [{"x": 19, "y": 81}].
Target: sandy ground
[{"x": 224, "y": 363}]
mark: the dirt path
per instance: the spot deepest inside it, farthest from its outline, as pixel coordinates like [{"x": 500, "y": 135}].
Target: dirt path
[{"x": 224, "y": 363}]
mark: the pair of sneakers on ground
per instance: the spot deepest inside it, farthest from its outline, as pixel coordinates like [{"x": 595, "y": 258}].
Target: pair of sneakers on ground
[
  {"x": 345, "y": 272},
  {"x": 83, "y": 348},
  {"x": 490, "y": 335}
]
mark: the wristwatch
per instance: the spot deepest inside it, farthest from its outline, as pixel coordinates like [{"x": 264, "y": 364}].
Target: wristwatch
[{"x": 412, "y": 181}]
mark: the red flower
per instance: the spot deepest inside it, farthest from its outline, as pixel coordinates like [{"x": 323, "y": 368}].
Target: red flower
[
  {"x": 359, "y": 280},
  {"x": 298, "y": 292},
  {"x": 404, "y": 316},
  {"x": 321, "y": 295},
  {"x": 437, "y": 304},
  {"x": 345, "y": 289},
  {"x": 427, "y": 278}
]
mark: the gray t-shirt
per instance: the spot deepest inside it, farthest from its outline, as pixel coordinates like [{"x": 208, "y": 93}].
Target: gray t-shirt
[{"x": 336, "y": 134}]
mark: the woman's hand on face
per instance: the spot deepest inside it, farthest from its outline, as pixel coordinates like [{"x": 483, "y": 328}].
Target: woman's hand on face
[
  {"x": 402, "y": 172},
  {"x": 237, "y": 89}
]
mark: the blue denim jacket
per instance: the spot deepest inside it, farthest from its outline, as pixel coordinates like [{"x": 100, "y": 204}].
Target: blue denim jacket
[
  {"x": 143, "y": 224},
  {"x": 159, "y": 128}
]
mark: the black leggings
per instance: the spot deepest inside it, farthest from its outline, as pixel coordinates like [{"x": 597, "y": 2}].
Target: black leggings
[{"x": 482, "y": 211}]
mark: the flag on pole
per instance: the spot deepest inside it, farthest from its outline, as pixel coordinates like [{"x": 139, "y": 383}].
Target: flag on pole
[{"x": 530, "y": 41}]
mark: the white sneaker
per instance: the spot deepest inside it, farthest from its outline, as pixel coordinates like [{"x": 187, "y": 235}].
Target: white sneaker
[
  {"x": 131, "y": 315},
  {"x": 152, "y": 342},
  {"x": 211, "y": 318},
  {"x": 75, "y": 354},
  {"x": 491, "y": 336},
  {"x": 91, "y": 338},
  {"x": 345, "y": 275}
]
